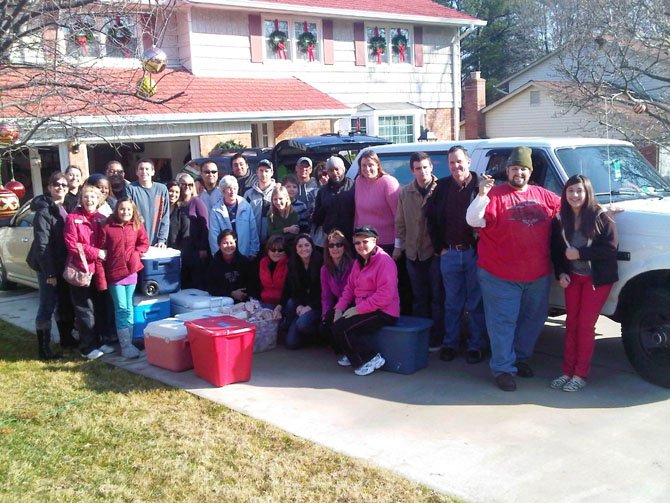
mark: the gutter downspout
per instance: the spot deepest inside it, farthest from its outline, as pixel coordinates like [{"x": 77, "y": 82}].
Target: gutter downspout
[{"x": 456, "y": 78}]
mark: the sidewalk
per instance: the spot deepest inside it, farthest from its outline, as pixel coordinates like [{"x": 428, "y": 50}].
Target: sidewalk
[{"x": 450, "y": 428}]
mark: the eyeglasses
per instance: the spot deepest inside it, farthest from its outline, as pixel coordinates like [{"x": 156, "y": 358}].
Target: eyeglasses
[
  {"x": 335, "y": 245},
  {"x": 277, "y": 250},
  {"x": 187, "y": 184},
  {"x": 113, "y": 172},
  {"x": 63, "y": 185},
  {"x": 210, "y": 172}
]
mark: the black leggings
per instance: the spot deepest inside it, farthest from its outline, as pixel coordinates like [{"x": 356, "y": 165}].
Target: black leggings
[{"x": 352, "y": 335}]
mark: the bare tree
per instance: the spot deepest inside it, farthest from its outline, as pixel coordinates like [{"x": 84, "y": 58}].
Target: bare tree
[
  {"x": 617, "y": 55},
  {"x": 55, "y": 54}
]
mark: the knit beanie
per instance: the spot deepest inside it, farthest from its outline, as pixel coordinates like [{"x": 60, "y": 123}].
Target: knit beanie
[{"x": 520, "y": 156}]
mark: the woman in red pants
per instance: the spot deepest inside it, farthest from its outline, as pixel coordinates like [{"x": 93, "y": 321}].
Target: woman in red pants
[{"x": 584, "y": 252}]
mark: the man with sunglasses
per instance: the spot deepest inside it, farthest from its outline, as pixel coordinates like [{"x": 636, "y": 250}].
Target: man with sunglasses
[
  {"x": 209, "y": 178},
  {"x": 116, "y": 174}
]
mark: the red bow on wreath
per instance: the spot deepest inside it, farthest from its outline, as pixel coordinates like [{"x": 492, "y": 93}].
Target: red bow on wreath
[{"x": 310, "y": 47}]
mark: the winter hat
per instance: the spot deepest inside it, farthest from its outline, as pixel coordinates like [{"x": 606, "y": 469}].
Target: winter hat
[
  {"x": 366, "y": 230},
  {"x": 520, "y": 156}
]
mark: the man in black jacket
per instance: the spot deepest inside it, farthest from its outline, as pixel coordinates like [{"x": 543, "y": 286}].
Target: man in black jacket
[{"x": 334, "y": 205}]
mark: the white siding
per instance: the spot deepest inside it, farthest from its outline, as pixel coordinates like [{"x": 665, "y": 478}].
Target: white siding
[{"x": 220, "y": 47}]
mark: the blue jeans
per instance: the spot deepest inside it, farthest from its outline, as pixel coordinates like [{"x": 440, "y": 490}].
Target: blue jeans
[
  {"x": 122, "y": 295},
  {"x": 428, "y": 294},
  {"x": 48, "y": 301},
  {"x": 515, "y": 315},
  {"x": 301, "y": 329},
  {"x": 462, "y": 293}
]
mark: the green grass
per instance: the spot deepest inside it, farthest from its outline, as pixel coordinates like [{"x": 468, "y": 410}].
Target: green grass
[{"x": 81, "y": 431}]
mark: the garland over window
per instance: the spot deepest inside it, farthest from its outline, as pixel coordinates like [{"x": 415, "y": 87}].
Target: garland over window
[{"x": 377, "y": 45}]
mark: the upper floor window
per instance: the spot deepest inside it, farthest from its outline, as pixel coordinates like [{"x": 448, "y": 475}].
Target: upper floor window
[
  {"x": 87, "y": 36},
  {"x": 359, "y": 125},
  {"x": 292, "y": 40},
  {"x": 388, "y": 43}
]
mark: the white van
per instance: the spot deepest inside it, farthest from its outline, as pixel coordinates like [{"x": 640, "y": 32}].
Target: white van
[{"x": 640, "y": 300}]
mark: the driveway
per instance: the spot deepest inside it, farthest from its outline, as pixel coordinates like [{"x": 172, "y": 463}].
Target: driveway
[{"x": 450, "y": 428}]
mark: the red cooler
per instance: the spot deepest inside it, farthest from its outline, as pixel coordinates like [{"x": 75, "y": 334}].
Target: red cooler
[{"x": 222, "y": 349}]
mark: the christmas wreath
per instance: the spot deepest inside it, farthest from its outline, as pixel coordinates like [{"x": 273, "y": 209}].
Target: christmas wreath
[
  {"x": 377, "y": 45},
  {"x": 278, "y": 40},
  {"x": 399, "y": 43},
  {"x": 306, "y": 39},
  {"x": 120, "y": 33},
  {"x": 81, "y": 32}
]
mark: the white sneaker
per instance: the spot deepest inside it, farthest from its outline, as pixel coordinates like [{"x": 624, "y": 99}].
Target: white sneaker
[
  {"x": 559, "y": 382},
  {"x": 93, "y": 355},
  {"x": 574, "y": 384},
  {"x": 106, "y": 349},
  {"x": 369, "y": 367},
  {"x": 344, "y": 361}
]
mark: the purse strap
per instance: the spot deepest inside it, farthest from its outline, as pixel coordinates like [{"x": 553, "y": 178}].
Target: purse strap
[{"x": 80, "y": 248}]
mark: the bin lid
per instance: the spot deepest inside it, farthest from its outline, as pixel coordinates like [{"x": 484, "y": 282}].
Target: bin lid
[
  {"x": 198, "y": 314},
  {"x": 169, "y": 329},
  {"x": 220, "y": 326},
  {"x": 155, "y": 252}
]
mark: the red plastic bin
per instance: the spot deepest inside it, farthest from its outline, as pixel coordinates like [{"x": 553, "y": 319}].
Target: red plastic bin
[{"x": 222, "y": 349}]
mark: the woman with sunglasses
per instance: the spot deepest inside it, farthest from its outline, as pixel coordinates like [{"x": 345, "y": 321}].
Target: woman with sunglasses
[
  {"x": 272, "y": 271},
  {"x": 47, "y": 256},
  {"x": 194, "y": 273},
  {"x": 336, "y": 268},
  {"x": 369, "y": 301}
]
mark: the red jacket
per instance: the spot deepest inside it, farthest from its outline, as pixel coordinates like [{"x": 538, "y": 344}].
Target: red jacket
[
  {"x": 84, "y": 229},
  {"x": 125, "y": 247},
  {"x": 272, "y": 283}
]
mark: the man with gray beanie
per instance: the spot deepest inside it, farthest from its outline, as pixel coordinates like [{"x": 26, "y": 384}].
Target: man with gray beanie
[
  {"x": 334, "y": 205},
  {"x": 514, "y": 221}
]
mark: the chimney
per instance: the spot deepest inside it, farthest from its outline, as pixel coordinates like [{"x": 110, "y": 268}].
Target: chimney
[{"x": 474, "y": 99}]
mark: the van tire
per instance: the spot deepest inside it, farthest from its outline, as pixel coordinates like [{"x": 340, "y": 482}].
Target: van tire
[{"x": 646, "y": 336}]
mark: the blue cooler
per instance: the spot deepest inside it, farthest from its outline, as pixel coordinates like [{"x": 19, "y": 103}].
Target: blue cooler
[
  {"x": 148, "y": 309},
  {"x": 404, "y": 346},
  {"x": 161, "y": 273}
]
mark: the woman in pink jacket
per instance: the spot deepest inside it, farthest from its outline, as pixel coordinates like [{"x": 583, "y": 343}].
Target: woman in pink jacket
[
  {"x": 369, "y": 301},
  {"x": 337, "y": 265},
  {"x": 82, "y": 232}
]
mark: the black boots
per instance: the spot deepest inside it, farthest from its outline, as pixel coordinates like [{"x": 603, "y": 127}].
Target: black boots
[{"x": 44, "y": 345}]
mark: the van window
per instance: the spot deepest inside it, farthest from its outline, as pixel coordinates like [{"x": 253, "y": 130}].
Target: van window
[
  {"x": 397, "y": 164},
  {"x": 543, "y": 174}
]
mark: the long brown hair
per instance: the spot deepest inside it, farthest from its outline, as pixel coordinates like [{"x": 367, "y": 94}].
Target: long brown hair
[
  {"x": 136, "y": 221},
  {"x": 588, "y": 214},
  {"x": 336, "y": 236},
  {"x": 372, "y": 155}
]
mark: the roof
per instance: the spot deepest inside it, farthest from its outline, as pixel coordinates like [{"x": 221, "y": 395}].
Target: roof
[
  {"x": 531, "y": 65},
  {"x": 546, "y": 84},
  {"x": 107, "y": 92},
  {"x": 425, "y": 10}
]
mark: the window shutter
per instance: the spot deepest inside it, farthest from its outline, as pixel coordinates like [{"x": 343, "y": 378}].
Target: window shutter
[
  {"x": 359, "y": 43},
  {"x": 418, "y": 46},
  {"x": 256, "y": 38},
  {"x": 328, "y": 44}
]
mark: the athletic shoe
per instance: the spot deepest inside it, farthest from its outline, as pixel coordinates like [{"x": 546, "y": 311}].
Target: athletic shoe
[
  {"x": 506, "y": 382},
  {"x": 435, "y": 348},
  {"x": 344, "y": 361},
  {"x": 574, "y": 384},
  {"x": 106, "y": 349},
  {"x": 369, "y": 367},
  {"x": 559, "y": 382},
  {"x": 93, "y": 355}
]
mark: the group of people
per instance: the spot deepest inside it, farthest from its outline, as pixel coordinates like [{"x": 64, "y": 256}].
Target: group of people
[{"x": 472, "y": 250}]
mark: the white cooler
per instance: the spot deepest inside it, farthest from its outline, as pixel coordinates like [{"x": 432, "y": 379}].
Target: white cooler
[
  {"x": 166, "y": 344},
  {"x": 191, "y": 299},
  {"x": 198, "y": 314}
]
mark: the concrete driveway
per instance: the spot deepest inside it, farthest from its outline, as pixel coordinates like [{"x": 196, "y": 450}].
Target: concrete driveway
[{"x": 449, "y": 427}]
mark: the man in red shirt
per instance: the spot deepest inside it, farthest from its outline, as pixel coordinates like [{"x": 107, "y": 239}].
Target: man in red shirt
[{"x": 514, "y": 264}]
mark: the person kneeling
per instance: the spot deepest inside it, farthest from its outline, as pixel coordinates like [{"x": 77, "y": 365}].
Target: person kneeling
[
  {"x": 230, "y": 273},
  {"x": 369, "y": 301}
]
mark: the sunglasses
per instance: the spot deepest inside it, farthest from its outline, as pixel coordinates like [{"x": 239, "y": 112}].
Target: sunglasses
[
  {"x": 187, "y": 184},
  {"x": 358, "y": 243},
  {"x": 64, "y": 185},
  {"x": 212, "y": 172},
  {"x": 335, "y": 245},
  {"x": 277, "y": 250}
]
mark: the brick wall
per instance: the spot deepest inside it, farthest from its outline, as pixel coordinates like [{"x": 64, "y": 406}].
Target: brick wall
[
  {"x": 440, "y": 121},
  {"x": 293, "y": 129},
  {"x": 208, "y": 142},
  {"x": 474, "y": 99}
]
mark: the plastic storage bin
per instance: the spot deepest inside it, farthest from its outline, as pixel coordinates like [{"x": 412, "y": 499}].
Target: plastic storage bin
[
  {"x": 404, "y": 346},
  {"x": 199, "y": 314},
  {"x": 166, "y": 344},
  {"x": 222, "y": 349},
  {"x": 161, "y": 273},
  {"x": 148, "y": 309},
  {"x": 191, "y": 299}
]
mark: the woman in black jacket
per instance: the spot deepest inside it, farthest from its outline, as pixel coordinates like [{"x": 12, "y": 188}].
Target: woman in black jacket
[
  {"x": 584, "y": 252},
  {"x": 47, "y": 256},
  {"x": 301, "y": 297},
  {"x": 230, "y": 273}
]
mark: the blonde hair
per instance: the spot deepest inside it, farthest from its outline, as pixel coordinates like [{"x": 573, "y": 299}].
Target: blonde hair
[
  {"x": 90, "y": 188},
  {"x": 276, "y": 213}
]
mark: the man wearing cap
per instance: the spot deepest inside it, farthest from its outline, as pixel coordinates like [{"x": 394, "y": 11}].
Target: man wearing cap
[
  {"x": 260, "y": 197},
  {"x": 514, "y": 264},
  {"x": 334, "y": 203},
  {"x": 307, "y": 185},
  {"x": 245, "y": 177}
]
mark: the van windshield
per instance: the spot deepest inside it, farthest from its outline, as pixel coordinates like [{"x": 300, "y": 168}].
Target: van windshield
[{"x": 616, "y": 171}]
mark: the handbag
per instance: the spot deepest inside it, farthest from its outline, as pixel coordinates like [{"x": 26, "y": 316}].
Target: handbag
[{"x": 73, "y": 275}]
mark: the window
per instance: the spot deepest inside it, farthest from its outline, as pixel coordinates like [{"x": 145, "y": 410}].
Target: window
[
  {"x": 359, "y": 125},
  {"x": 396, "y": 43},
  {"x": 277, "y": 41},
  {"x": 292, "y": 40},
  {"x": 306, "y": 41},
  {"x": 534, "y": 98},
  {"x": 397, "y": 128},
  {"x": 87, "y": 36},
  {"x": 261, "y": 134}
]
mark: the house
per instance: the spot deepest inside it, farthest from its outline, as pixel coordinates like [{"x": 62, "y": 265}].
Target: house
[
  {"x": 256, "y": 72},
  {"x": 535, "y": 105}
]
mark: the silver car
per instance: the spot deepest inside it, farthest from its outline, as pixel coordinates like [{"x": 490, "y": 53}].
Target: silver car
[{"x": 15, "y": 241}]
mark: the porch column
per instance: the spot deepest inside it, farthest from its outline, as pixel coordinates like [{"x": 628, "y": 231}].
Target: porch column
[{"x": 35, "y": 170}]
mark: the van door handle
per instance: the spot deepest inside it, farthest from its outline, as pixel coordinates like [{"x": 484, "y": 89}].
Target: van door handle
[{"x": 25, "y": 240}]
